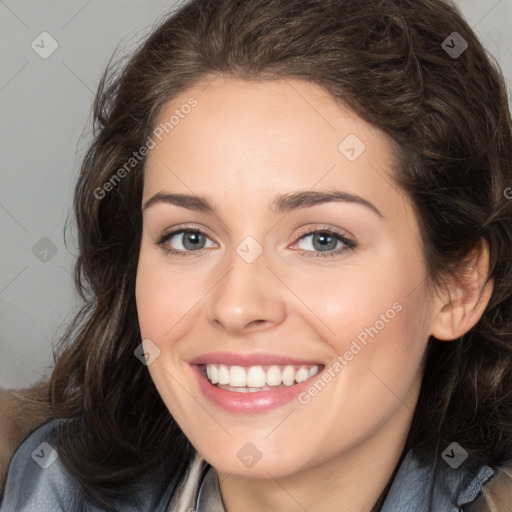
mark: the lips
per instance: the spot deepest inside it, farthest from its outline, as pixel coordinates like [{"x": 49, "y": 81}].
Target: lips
[
  {"x": 247, "y": 360},
  {"x": 217, "y": 372}
]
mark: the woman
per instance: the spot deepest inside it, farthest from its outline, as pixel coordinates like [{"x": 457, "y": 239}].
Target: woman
[{"x": 295, "y": 240}]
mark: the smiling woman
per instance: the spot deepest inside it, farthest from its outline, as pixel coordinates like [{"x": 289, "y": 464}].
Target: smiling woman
[{"x": 329, "y": 221}]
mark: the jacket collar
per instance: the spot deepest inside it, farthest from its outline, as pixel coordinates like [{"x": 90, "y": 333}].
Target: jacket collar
[
  {"x": 416, "y": 487},
  {"x": 435, "y": 486}
]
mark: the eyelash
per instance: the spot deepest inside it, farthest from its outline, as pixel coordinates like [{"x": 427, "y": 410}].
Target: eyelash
[{"x": 348, "y": 243}]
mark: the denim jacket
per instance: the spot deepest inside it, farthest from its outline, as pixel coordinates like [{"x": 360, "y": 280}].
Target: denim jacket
[{"x": 38, "y": 482}]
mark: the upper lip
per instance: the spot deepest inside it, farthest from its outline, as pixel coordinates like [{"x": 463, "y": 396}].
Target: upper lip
[{"x": 255, "y": 359}]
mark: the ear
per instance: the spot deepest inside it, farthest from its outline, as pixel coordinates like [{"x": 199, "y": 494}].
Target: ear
[{"x": 462, "y": 302}]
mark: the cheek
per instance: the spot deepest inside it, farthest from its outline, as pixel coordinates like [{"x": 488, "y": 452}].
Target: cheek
[
  {"x": 380, "y": 336},
  {"x": 162, "y": 298},
  {"x": 372, "y": 308},
  {"x": 163, "y": 302}
]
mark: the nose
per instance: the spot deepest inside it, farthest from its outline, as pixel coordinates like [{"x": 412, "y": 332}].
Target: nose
[{"x": 247, "y": 299}]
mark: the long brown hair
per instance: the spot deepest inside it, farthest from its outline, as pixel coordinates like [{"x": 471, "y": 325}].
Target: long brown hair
[{"x": 450, "y": 122}]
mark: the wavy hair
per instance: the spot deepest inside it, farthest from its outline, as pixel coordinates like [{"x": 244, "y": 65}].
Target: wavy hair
[{"x": 449, "y": 121}]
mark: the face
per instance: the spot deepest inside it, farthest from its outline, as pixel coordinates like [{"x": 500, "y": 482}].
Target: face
[{"x": 275, "y": 245}]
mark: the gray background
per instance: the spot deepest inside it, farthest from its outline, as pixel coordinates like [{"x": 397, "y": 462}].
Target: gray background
[{"x": 46, "y": 106}]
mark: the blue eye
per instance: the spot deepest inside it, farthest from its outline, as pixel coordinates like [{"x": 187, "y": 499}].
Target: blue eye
[
  {"x": 184, "y": 240},
  {"x": 325, "y": 242},
  {"x": 316, "y": 243}
]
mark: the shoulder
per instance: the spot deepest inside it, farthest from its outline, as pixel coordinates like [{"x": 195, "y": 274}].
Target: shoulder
[
  {"x": 497, "y": 492},
  {"x": 37, "y": 480},
  {"x": 448, "y": 483}
]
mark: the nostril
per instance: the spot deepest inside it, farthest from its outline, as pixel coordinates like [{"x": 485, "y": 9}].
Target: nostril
[{"x": 258, "y": 322}]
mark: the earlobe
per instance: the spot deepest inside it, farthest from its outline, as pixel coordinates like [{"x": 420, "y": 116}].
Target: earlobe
[{"x": 463, "y": 299}]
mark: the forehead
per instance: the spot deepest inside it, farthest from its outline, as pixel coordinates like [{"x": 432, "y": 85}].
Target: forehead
[{"x": 253, "y": 139}]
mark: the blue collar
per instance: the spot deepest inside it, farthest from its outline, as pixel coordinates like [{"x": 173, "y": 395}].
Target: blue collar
[{"x": 416, "y": 487}]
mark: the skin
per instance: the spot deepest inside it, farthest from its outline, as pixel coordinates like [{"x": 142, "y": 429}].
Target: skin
[{"x": 243, "y": 144}]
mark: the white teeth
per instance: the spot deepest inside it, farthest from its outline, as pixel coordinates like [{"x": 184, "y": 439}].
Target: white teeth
[
  {"x": 302, "y": 374},
  {"x": 244, "y": 389},
  {"x": 214, "y": 373},
  {"x": 274, "y": 376},
  {"x": 223, "y": 374},
  {"x": 237, "y": 376},
  {"x": 255, "y": 378},
  {"x": 288, "y": 375}
]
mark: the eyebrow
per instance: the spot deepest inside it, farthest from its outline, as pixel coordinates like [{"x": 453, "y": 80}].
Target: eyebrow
[
  {"x": 287, "y": 202},
  {"x": 283, "y": 203},
  {"x": 191, "y": 202}
]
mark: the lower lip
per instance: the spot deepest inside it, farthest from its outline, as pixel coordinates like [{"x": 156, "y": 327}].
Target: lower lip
[{"x": 250, "y": 403}]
